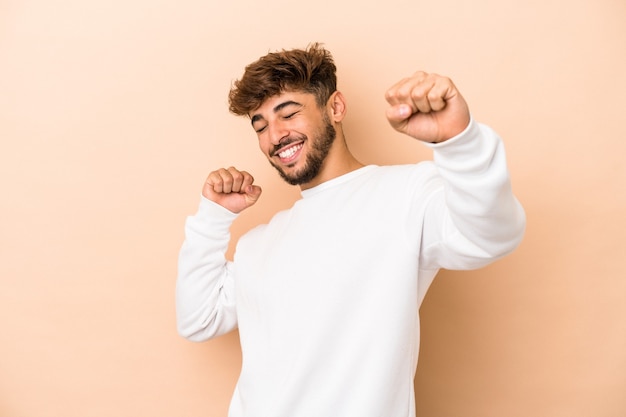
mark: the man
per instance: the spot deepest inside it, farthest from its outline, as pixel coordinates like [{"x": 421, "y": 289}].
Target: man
[{"x": 326, "y": 295}]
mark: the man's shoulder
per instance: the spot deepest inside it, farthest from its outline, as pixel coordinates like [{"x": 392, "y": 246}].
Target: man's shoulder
[
  {"x": 278, "y": 218},
  {"x": 404, "y": 172}
]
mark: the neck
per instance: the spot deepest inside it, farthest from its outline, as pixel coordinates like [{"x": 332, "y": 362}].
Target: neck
[{"x": 339, "y": 161}]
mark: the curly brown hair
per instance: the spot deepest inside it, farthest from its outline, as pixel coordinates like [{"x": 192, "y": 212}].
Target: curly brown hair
[{"x": 310, "y": 70}]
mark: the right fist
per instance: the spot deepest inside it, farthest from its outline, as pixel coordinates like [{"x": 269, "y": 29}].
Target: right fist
[{"x": 231, "y": 189}]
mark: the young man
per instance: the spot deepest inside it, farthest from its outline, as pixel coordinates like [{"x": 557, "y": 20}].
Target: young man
[{"x": 326, "y": 295}]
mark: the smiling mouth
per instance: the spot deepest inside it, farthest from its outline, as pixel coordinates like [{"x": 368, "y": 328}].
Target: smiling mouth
[{"x": 289, "y": 152}]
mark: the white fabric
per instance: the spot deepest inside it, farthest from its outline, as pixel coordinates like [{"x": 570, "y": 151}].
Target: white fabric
[{"x": 326, "y": 296}]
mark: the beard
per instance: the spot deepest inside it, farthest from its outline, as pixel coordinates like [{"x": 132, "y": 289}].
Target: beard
[{"x": 320, "y": 146}]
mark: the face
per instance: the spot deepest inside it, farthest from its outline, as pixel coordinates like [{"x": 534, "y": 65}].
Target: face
[{"x": 294, "y": 134}]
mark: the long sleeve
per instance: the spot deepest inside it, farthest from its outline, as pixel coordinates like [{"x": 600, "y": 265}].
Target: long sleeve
[
  {"x": 205, "y": 305},
  {"x": 474, "y": 218}
]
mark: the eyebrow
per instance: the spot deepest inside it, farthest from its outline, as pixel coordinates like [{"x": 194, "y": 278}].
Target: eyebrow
[{"x": 276, "y": 109}]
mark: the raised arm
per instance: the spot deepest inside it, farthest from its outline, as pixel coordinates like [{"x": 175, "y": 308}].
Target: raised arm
[
  {"x": 205, "y": 305},
  {"x": 472, "y": 216}
]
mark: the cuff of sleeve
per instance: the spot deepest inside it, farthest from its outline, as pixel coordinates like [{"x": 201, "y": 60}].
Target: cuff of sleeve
[
  {"x": 470, "y": 131},
  {"x": 467, "y": 151},
  {"x": 214, "y": 210}
]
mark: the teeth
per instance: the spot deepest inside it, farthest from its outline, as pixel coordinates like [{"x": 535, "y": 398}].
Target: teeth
[{"x": 290, "y": 151}]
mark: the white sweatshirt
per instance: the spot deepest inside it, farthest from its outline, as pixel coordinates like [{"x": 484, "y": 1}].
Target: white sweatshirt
[{"x": 326, "y": 296}]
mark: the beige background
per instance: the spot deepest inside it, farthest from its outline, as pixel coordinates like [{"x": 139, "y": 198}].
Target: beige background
[{"x": 112, "y": 113}]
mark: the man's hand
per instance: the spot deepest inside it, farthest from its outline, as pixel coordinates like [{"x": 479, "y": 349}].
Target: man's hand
[
  {"x": 427, "y": 107},
  {"x": 231, "y": 189}
]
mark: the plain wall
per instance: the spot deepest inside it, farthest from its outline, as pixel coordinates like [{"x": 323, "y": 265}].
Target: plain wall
[{"x": 113, "y": 112}]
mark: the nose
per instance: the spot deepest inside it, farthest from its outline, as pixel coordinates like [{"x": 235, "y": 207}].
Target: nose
[{"x": 277, "y": 132}]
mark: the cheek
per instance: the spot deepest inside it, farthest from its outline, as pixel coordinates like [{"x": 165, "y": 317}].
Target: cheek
[{"x": 264, "y": 145}]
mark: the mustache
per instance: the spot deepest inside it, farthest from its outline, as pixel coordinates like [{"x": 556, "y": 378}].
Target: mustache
[{"x": 286, "y": 142}]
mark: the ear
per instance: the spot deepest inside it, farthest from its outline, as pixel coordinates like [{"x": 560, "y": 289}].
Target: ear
[{"x": 336, "y": 107}]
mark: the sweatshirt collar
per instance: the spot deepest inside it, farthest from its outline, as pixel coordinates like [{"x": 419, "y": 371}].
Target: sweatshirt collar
[{"x": 336, "y": 181}]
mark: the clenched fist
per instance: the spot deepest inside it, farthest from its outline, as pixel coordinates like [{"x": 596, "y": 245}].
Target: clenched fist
[
  {"x": 231, "y": 189},
  {"x": 427, "y": 107}
]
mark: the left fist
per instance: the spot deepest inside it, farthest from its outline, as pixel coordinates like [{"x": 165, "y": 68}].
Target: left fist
[{"x": 427, "y": 107}]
